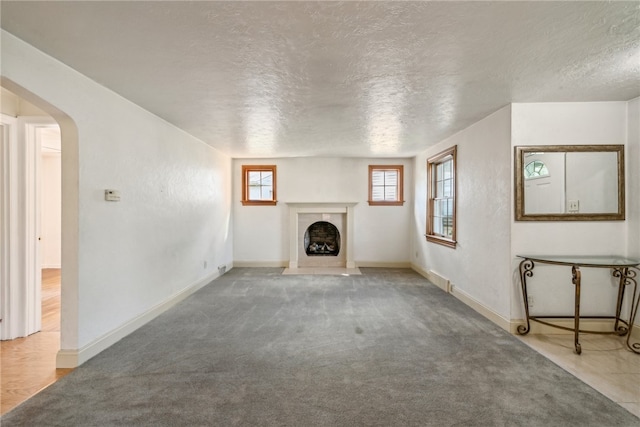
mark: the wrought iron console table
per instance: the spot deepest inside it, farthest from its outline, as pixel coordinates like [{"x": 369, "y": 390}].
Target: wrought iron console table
[{"x": 626, "y": 270}]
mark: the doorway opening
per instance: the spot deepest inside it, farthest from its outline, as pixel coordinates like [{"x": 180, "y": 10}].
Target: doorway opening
[{"x": 31, "y": 253}]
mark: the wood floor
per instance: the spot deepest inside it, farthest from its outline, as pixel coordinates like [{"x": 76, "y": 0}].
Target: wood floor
[{"x": 27, "y": 365}]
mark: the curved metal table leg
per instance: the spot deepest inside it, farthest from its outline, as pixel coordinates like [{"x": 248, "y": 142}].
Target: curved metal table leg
[
  {"x": 629, "y": 279},
  {"x": 575, "y": 273},
  {"x": 526, "y": 270}
]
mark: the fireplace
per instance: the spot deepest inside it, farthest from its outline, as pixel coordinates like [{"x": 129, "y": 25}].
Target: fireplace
[
  {"x": 321, "y": 235},
  {"x": 322, "y": 239}
]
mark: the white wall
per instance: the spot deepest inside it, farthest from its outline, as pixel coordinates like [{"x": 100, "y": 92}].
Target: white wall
[
  {"x": 123, "y": 260},
  {"x": 568, "y": 124},
  {"x": 381, "y": 233},
  {"x": 51, "y": 209},
  {"x": 633, "y": 178},
  {"x": 479, "y": 267},
  {"x": 484, "y": 266}
]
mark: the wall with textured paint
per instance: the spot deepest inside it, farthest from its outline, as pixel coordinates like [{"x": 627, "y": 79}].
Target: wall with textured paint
[
  {"x": 123, "y": 259},
  {"x": 484, "y": 266},
  {"x": 588, "y": 123},
  {"x": 633, "y": 178},
  {"x": 381, "y": 233},
  {"x": 479, "y": 266}
]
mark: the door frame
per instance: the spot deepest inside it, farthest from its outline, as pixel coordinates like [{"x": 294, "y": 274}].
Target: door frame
[{"x": 8, "y": 264}]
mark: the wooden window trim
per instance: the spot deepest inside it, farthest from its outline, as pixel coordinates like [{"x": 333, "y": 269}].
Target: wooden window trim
[
  {"x": 431, "y": 162},
  {"x": 400, "y": 201},
  {"x": 245, "y": 185}
]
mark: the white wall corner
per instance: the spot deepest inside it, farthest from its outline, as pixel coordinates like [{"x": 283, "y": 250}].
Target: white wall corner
[
  {"x": 482, "y": 309},
  {"x": 72, "y": 358},
  {"x": 444, "y": 284},
  {"x": 435, "y": 278}
]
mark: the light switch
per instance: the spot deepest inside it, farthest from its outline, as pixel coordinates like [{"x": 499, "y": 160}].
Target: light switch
[{"x": 112, "y": 195}]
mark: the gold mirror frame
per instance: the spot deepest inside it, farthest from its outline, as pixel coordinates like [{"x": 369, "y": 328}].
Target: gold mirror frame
[{"x": 521, "y": 215}]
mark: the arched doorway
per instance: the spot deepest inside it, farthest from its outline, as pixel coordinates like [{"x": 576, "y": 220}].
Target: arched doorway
[{"x": 69, "y": 221}]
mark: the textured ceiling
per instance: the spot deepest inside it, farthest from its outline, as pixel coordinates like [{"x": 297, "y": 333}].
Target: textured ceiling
[{"x": 275, "y": 79}]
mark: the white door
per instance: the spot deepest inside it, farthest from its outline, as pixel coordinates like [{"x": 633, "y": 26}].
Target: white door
[
  {"x": 7, "y": 126},
  {"x": 20, "y": 256},
  {"x": 33, "y": 262}
]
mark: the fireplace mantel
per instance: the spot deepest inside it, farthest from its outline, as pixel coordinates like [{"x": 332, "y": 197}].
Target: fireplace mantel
[
  {"x": 297, "y": 208},
  {"x": 320, "y": 205}
]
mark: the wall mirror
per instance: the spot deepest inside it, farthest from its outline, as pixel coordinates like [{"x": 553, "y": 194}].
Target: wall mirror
[{"x": 569, "y": 183}]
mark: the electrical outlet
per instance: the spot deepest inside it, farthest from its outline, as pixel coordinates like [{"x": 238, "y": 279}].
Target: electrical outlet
[
  {"x": 574, "y": 206},
  {"x": 205, "y": 265},
  {"x": 530, "y": 301}
]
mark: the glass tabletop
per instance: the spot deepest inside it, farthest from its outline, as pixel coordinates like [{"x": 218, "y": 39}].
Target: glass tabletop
[{"x": 585, "y": 260}]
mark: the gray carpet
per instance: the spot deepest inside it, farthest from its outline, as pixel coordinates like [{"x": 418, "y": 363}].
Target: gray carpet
[{"x": 256, "y": 348}]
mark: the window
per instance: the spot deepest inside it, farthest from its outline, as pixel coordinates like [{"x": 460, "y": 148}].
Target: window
[
  {"x": 385, "y": 185},
  {"x": 258, "y": 185},
  {"x": 535, "y": 169},
  {"x": 441, "y": 208}
]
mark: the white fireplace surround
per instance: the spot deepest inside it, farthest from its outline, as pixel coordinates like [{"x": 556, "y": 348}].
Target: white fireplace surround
[{"x": 296, "y": 209}]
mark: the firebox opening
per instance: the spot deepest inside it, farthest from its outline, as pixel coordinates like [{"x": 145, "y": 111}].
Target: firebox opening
[{"x": 322, "y": 239}]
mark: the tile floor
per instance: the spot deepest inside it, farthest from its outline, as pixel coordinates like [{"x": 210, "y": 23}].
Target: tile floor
[{"x": 605, "y": 364}]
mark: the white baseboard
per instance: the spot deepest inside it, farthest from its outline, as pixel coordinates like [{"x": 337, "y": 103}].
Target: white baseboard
[
  {"x": 512, "y": 325},
  {"x": 374, "y": 264},
  {"x": 261, "y": 263},
  {"x": 487, "y": 312},
  {"x": 444, "y": 284},
  {"x": 58, "y": 266},
  {"x": 71, "y": 358},
  {"x": 432, "y": 276}
]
